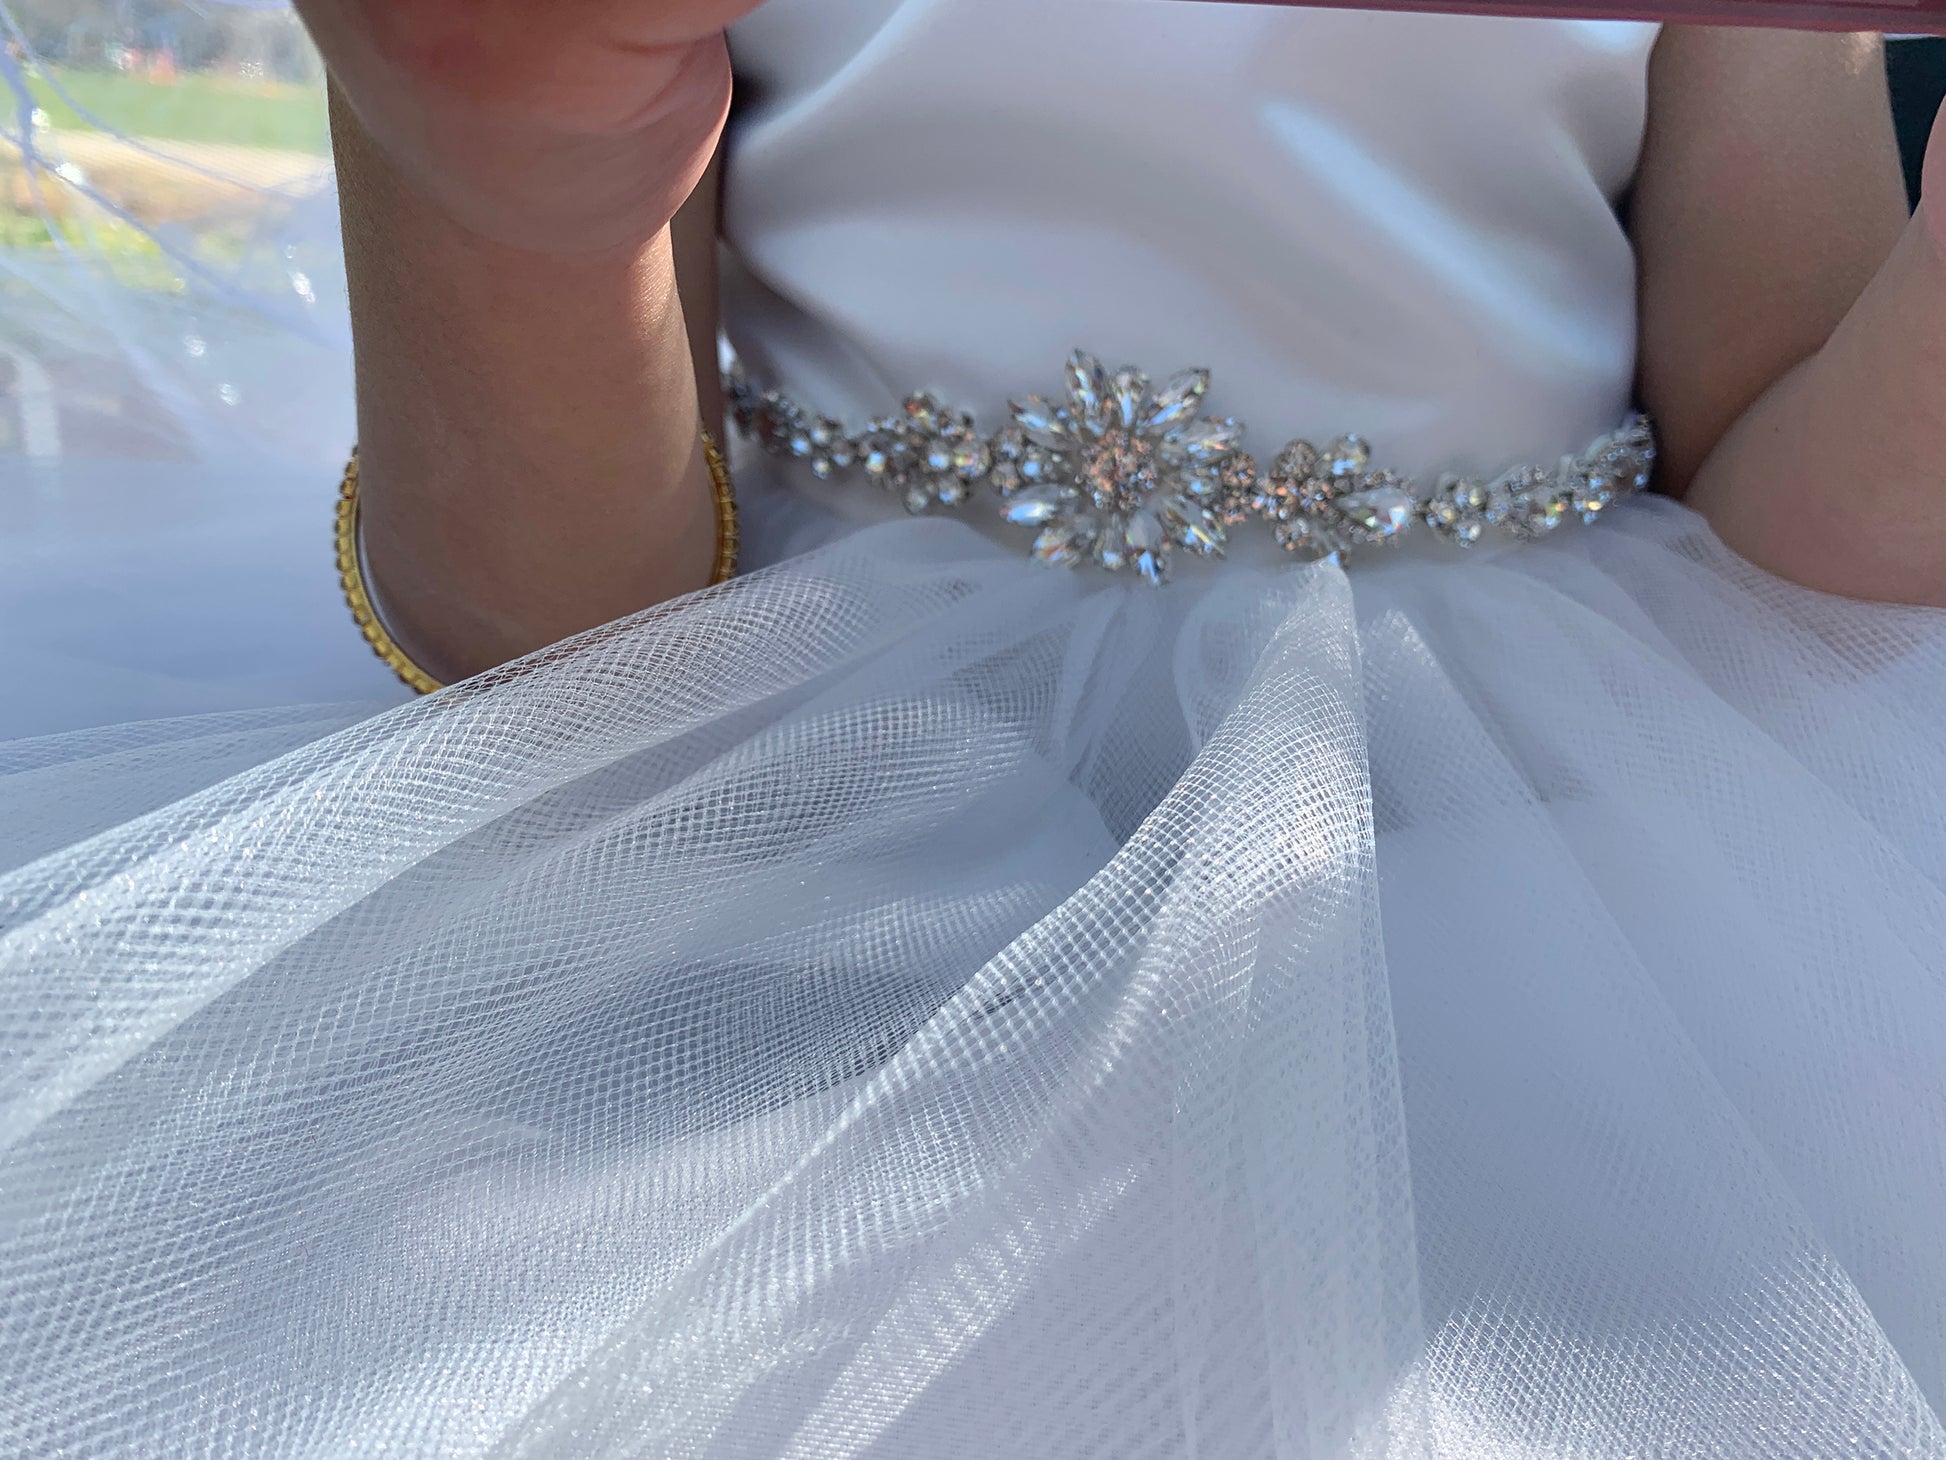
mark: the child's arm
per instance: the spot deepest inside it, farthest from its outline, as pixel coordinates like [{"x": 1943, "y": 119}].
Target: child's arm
[
  {"x": 527, "y": 400},
  {"x": 1793, "y": 331}
]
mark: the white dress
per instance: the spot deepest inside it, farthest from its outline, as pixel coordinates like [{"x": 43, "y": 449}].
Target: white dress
[{"x": 915, "y": 1003}]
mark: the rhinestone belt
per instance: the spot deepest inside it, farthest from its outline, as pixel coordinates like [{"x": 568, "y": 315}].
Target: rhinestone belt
[{"x": 1124, "y": 475}]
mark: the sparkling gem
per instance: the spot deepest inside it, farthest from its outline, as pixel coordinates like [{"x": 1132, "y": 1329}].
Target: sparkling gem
[
  {"x": 1307, "y": 536},
  {"x": 925, "y": 468},
  {"x": 1209, "y": 440},
  {"x": 1535, "y": 504},
  {"x": 1296, "y": 462},
  {"x": 1131, "y": 478},
  {"x": 1065, "y": 541},
  {"x": 1144, "y": 531},
  {"x": 1120, "y": 469},
  {"x": 1088, "y": 390},
  {"x": 922, "y": 413},
  {"x": 971, "y": 459},
  {"x": 1378, "y": 512},
  {"x": 1541, "y": 514},
  {"x": 1043, "y": 422},
  {"x": 1175, "y": 404},
  {"x": 1239, "y": 474},
  {"x": 1457, "y": 511},
  {"x": 1592, "y": 492},
  {"x": 1348, "y": 456},
  {"x": 1195, "y": 528},
  {"x": 775, "y": 424},
  {"x": 1444, "y": 517},
  {"x": 1034, "y": 506},
  {"x": 1131, "y": 392},
  {"x": 1467, "y": 494},
  {"x": 741, "y": 395},
  {"x": 1239, "y": 482}
]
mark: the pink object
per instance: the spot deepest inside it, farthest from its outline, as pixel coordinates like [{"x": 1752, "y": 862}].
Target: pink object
[{"x": 1898, "y": 17}]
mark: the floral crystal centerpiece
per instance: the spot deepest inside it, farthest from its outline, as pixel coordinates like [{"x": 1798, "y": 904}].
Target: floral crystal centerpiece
[{"x": 1120, "y": 472}]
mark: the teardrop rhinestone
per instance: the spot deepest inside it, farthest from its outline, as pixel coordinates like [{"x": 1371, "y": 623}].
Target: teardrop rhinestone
[
  {"x": 1042, "y": 420},
  {"x": 1036, "y": 505},
  {"x": 1175, "y": 404},
  {"x": 1131, "y": 395},
  {"x": 1194, "y": 527},
  {"x": 1144, "y": 532},
  {"x": 1379, "y": 512},
  {"x": 1210, "y": 440},
  {"x": 1088, "y": 389},
  {"x": 1065, "y": 541}
]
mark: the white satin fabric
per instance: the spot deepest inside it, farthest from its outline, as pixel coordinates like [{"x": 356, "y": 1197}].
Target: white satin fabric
[
  {"x": 1401, "y": 226},
  {"x": 911, "y": 1003}
]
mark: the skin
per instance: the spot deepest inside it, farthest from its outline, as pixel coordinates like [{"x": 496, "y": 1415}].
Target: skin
[{"x": 530, "y": 207}]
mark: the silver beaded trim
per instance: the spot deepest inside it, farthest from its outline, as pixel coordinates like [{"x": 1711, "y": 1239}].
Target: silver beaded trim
[{"x": 1126, "y": 475}]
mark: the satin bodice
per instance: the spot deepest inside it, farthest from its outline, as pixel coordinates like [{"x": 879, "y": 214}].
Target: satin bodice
[{"x": 1399, "y": 225}]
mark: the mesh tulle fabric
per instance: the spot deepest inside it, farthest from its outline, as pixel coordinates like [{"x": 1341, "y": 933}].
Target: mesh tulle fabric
[{"x": 911, "y": 1003}]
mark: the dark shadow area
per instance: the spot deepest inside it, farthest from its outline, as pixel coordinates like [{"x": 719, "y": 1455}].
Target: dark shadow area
[{"x": 1918, "y": 72}]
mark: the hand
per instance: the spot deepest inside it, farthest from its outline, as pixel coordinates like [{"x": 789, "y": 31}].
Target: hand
[{"x": 569, "y": 128}]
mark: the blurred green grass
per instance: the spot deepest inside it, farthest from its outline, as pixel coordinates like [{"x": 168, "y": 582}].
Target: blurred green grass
[{"x": 192, "y": 108}]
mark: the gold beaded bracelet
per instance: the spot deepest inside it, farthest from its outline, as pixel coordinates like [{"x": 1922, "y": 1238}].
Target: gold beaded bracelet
[{"x": 351, "y": 571}]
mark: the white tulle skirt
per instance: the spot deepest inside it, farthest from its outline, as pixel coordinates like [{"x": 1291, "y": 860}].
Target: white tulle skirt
[{"x": 908, "y": 1003}]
